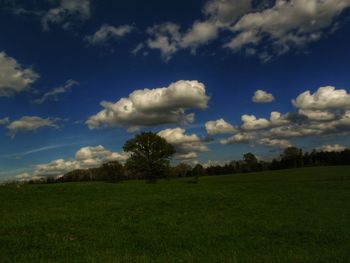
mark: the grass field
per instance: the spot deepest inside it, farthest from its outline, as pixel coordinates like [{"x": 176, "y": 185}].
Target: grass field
[{"x": 300, "y": 215}]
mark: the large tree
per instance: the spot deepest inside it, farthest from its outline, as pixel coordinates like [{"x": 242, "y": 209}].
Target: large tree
[{"x": 150, "y": 155}]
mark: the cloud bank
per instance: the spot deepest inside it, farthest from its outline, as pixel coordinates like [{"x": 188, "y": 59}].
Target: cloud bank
[{"x": 86, "y": 157}]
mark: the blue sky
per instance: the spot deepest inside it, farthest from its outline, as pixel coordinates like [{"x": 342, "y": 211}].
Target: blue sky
[{"x": 201, "y": 61}]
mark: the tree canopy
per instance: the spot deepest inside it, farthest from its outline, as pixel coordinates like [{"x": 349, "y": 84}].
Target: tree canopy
[{"x": 150, "y": 155}]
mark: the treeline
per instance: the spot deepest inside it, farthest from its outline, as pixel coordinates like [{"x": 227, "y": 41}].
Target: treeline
[{"x": 290, "y": 158}]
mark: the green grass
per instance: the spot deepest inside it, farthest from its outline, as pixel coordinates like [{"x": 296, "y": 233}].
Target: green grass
[{"x": 300, "y": 215}]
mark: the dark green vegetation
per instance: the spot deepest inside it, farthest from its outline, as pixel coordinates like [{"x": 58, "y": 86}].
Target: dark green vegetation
[
  {"x": 150, "y": 155},
  {"x": 299, "y": 215},
  {"x": 145, "y": 159}
]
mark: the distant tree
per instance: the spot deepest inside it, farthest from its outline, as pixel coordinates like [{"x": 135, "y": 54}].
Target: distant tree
[
  {"x": 197, "y": 171},
  {"x": 112, "y": 171},
  {"x": 251, "y": 162},
  {"x": 150, "y": 155},
  {"x": 181, "y": 170},
  {"x": 292, "y": 157}
]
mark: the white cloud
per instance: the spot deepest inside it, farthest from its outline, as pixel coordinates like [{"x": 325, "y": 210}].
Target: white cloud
[
  {"x": 150, "y": 107},
  {"x": 243, "y": 38},
  {"x": 287, "y": 24},
  {"x": 108, "y": 32},
  {"x": 168, "y": 39},
  {"x": 66, "y": 13},
  {"x": 314, "y": 125},
  {"x": 29, "y": 124},
  {"x": 298, "y": 130},
  {"x": 53, "y": 94},
  {"x": 318, "y": 115},
  {"x": 219, "y": 126},
  {"x": 165, "y": 37},
  {"x": 13, "y": 78},
  {"x": 226, "y": 12},
  {"x": 4, "y": 121},
  {"x": 277, "y": 119},
  {"x": 86, "y": 157},
  {"x": 200, "y": 33},
  {"x": 187, "y": 146},
  {"x": 250, "y": 123},
  {"x": 275, "y": 29},
  {"x": 25, "y": 177},
  {"x": 187, "y": 156},
  {"x": 323, "y": 113},
  {"x": 238, "y": 138},
  {"x": 94, "y": 156},
  {"x": 325, "y": 98},
  {"x": 332, "y": 148},
  {"x": 138, "y": 48},
  {"x": 261, "y": 96},
  {"x": 274, "y": 143}
]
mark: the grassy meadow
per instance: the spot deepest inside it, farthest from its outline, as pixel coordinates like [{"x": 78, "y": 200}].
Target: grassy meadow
[{"x": 300, "y": 215}]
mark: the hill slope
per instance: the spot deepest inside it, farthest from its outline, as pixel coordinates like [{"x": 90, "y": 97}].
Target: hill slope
[{"x": 299, "y": 215}]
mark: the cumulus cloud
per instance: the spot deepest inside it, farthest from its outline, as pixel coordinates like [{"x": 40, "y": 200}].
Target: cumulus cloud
[
  {"x": 54, "y": 93},
  {"x": 13, "y": 77},
  {"x": 219, "y": 126},
  {"x": 332, "y": 148},
  {"x": 323, "y": 113},
  {"x": 325, "y": 98},
  {"x": 30, "y": 124},
  {"x": 86, "y": 157},
  {"x": 250, "y": 123},
  {"x": 94, "y": 156},
  {"x": 187, "y": 146},
  {"x": 300, "y": 130},
  {"x": 287, "y": 24},
  {"x": 274, "y": 143},
  {"x": 66, "y": 13},
  {"x": 318, "y": 115},
  {"x": 261, "y": 96},
  {"x": 150, "y": 107},
  {"x": 277, "y": 119},
  {"x": 108, "y": 32},
  {"x": 238, "y": 138}
]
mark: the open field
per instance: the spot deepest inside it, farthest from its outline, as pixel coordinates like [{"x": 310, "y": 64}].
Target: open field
[{"x": 300, "y": 215}]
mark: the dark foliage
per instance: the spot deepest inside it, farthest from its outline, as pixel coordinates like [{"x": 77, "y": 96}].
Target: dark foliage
[
  {"x": 138, "y": 168},
  {"x": 150, "y": 155}
]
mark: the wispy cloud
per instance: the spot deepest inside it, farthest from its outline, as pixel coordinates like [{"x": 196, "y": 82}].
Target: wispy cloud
[
  {"x": 36, "y": 150},
  {"x": 54, "y": 93}
]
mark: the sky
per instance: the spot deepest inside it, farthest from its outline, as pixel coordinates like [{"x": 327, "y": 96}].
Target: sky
[{"x": 215, "y": 78}]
